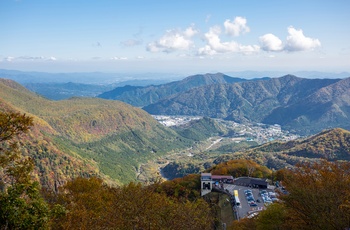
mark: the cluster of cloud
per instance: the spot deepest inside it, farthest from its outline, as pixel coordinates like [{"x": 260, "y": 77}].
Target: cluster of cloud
[
  {"x": 29, "y": 58},
  {"x": 177, "y": 40},
  {"x": 174, "y": 40},
  {"x": 215, "y": 45},
  {"x": 237, "y": 27},
  {"x": 295, "y": 41}
]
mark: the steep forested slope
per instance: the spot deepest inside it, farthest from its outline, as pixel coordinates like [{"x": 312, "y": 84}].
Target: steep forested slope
[
  {"x": 328, "y": 107},
  {"x": 109, "y": 138}
]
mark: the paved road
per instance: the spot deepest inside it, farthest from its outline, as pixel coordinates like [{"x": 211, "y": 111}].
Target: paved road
[{"x": 244, "y": 208}]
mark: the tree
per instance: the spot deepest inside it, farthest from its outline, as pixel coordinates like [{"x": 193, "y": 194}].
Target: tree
[
  {"x": 243, "y": 224},
  {"x": 318, "y": 195},
  {"x": 88, "y": 202},
  {"x": 273, "y": 218},
  {"x": 21, "y": 205},
  {"x": 93, "y": 205}
]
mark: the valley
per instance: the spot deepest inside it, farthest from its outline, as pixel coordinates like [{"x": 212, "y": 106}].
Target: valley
[{"x": 201, "y": 155}]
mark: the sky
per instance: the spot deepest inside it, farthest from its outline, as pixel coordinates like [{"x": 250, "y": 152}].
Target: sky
[{"x": 183, "y": 36}]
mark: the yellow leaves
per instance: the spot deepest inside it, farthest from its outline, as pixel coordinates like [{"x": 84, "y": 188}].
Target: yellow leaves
[
  {"x": 93, "y": 205},
  {"x": 241, "y": 167},
  {"x": 316, "y": 191}
]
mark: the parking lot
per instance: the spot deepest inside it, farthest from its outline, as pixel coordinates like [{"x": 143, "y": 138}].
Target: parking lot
[{"x": 245, "y": 209}]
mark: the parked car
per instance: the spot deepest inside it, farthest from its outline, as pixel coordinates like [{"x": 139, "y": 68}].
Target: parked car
[
  {"x": 253, "y": 203},
  {"x": 273, "y": 196},
  {"x": 263, "y": 192},
  {"x": 248, "y": 191}
]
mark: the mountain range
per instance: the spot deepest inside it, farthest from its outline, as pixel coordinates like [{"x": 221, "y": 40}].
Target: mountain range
[
  {"x": 303, "y": 106},
  {"x": 142, "y": 96}
]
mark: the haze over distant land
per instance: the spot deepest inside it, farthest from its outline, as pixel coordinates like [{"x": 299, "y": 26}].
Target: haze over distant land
[{"x": 151, "y": 37}]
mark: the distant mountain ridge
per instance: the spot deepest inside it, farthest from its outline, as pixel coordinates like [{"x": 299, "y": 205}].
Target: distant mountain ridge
[
  {"x": 295, "y": 103},
  {"x": 142, "y": 96}
]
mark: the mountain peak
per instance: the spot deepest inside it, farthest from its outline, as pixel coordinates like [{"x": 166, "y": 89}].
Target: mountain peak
[{"x": 290, "y": 77}]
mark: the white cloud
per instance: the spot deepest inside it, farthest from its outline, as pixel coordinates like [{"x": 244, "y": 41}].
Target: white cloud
[
  {"x": 9, "y": 58},
  {"x": 190, "y": 32},
  {"x": 29, "y": 58},
  {"x": 52, "y": 59},
  {"x": 296, "y": 41},
  {"x": 237, "y": 27},
  {"x": 173, "y": 40},
  {"x": 206, "y": 50},
  {"x": 119, "y": 58},
  {"x": 215, "y": 46},
  {"x": 270, "y": 42}
]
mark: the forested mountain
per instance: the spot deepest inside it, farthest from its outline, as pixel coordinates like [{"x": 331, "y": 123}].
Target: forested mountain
[
  {"x": 328, "y": 107},
  {"x": 305, "y": 105},
  {"x": 84, "y": 136},
  {"x": 332, "y": 145},
  {"x": 141, "y": 96}
]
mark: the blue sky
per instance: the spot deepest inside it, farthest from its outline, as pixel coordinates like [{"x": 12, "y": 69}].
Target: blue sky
[{"x": 174, "y": 36}]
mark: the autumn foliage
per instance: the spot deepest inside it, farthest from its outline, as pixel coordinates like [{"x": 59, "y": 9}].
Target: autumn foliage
[
  {"x": 241, "y": 167},
  {"x": 318, "y": 198},
  {"x": 92, "y": 205},
  {"x": 21, "y": 204}
]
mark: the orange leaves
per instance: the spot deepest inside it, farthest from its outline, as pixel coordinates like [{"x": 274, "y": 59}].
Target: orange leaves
[
  {"x": 241, "y": 167},
  {"x": 92, "y": 205},
  {"x": 317, "y": 191}
]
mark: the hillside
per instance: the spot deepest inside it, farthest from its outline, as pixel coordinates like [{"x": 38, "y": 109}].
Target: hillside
[
  {"x": 287, "y": 100},
  {"x": 142, "y": 96},
  {"x": 200, "y": 130},
  {"x": 328, "y": 107},
  {"x": 108, "y": 138},
  {"x": 331, "y": 145}
]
